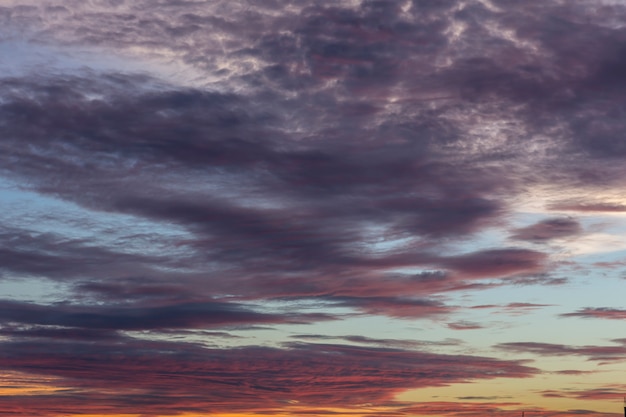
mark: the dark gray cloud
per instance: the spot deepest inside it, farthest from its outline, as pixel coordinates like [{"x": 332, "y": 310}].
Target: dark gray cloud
[
  {"x": 209, "y": 314},
  {"x": 54, "y": 256}
]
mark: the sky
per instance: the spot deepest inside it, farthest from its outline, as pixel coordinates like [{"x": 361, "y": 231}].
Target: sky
[{"x": 364, "y": 208}]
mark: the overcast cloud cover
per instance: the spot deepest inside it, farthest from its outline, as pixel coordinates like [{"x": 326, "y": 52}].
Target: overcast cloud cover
[{"x": 352, "y": 207}]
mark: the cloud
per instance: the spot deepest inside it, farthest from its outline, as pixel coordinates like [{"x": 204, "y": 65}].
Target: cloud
[
  {"x": 394, "y": 343},
  {"x": 132, "y": 134},
  {"x": 588, "y": 207},
  {"x": 548, "y": 229},
  {"x": 54, "y": 256},
  {"x": 400, "y": 307},
  {"x": 198, "y": 315},
  {"x": 465, "y": 325},
  {"x": 591, "y": 352},
  {"x": 364, "y": 157},
  {"x": 573, "y": 372},
  {"x": 515, "y": 308},
  {"x": 606, "y": 393},
  {"x": 456, "y": 409},
  {"x": 473, "y": 398},
  {"x": 175, "y": 375},
  {"x": 598, "y": 313},
  {"x": 497, "y": 262}
]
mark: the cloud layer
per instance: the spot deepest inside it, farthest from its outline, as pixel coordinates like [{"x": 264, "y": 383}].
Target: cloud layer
[
  {"x": 191, "y": 174},
  {"x": 193, "y": 378}
]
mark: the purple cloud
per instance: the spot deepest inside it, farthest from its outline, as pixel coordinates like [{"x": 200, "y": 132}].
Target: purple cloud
[
  {"x": 464, "y": 325},
  {"x": 548, "y": 229},
  {"x": 591, "y": 352},
  {"x": 339, "y": 159},
  {"x": 238, "y": 379},
  {"x": 598, "y": 313}
]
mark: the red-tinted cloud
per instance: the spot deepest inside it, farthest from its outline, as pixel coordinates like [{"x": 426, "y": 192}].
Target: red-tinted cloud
[
  {"x": 464, "y": 325},
  {"x": 548, "y": 229},
  {"x": 588, "y": 207},
  {"x": 136, "y": 376},
  {"x": 591, "y": 352},
  {"x": 512, "y": 308},
  {"x": 510, "y": 409},
  {"x": 601, "y": 394},
  {"x": 395, "y": 343},
  {"x": 573, "y": 372},
  {"x": 598, "y": 313},
  {"x": 497, "y": 263},
  {"x": 606, "y": 393}
]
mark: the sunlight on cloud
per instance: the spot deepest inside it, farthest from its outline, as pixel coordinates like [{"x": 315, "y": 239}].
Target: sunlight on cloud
[
  {"x": 595, "y": 243},
  {"x": 18, "y": 383}
]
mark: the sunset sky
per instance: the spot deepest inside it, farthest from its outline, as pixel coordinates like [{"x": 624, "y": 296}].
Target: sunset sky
[{"x": 363, "y": 208}]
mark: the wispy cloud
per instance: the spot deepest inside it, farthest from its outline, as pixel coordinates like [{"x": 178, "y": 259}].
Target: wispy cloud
[
  {"x": 591, "y": 352},
  {"x": 605, "y": 393},
  {"x": 598, "y": 313},
  {"x": 548, "y": 229}
]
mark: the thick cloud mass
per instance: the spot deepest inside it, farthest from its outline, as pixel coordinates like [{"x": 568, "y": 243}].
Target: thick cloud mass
[{"x": 188, "y": 173}]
